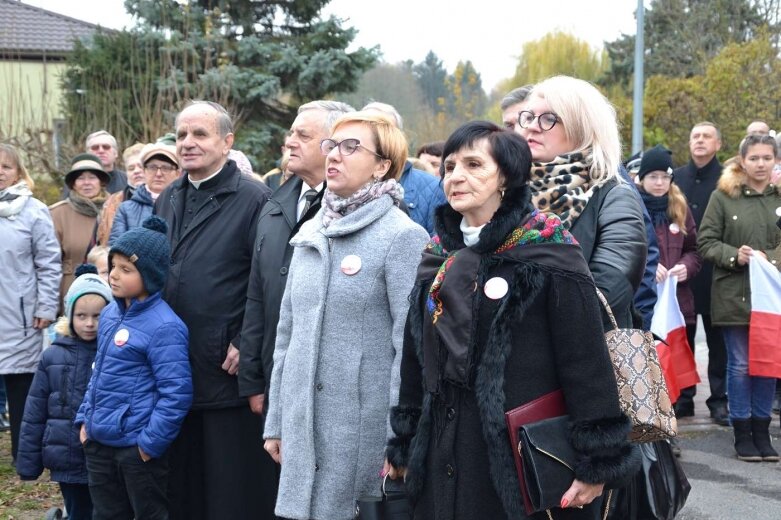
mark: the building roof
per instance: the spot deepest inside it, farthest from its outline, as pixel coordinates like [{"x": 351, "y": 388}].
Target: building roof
[{"x": 28, "y": 31}]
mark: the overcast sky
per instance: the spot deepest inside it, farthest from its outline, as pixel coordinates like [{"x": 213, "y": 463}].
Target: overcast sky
[{"x": 491, "y": 33}]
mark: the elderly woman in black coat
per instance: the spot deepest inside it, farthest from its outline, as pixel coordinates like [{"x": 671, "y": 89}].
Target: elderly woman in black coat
[{"x": 504, "y": 310}]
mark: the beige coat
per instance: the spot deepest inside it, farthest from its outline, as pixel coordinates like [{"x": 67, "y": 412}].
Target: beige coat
[{"x": 74, "y": 232}]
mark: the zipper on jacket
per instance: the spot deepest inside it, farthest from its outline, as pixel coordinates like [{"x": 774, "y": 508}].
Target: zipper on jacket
[
  {"x": 99, "y": 357},
  {"x": 24, "y": 318}
]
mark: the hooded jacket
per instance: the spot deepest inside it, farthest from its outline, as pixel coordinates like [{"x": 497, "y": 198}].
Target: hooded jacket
[
  {"x": 49, "y": 438},
  {"x": 737, "y": 215}
]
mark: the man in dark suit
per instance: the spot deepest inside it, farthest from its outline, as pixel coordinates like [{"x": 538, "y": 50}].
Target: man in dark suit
[
  {"x": 697, "y": 180},
  {"x": 292, "y": 204}
]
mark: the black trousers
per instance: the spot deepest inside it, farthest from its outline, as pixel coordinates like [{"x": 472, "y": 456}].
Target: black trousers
[
  {"x": 219, "y": 468},
  {"x": 17, "y": 387},
  {"x": 78, "y": 501},
  {"x": 123, "y": 486},
  {"x": 717, "y": 365}
]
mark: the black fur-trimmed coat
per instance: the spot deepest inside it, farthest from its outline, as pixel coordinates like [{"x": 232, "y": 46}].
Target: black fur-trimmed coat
[{"x": 544, "y": 334}]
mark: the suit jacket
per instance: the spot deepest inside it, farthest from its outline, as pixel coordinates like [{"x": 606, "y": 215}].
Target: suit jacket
[{"x": 270, "y": 262}]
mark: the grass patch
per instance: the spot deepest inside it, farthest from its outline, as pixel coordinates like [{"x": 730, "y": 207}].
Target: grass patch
[{"x": 23, "y": 500}]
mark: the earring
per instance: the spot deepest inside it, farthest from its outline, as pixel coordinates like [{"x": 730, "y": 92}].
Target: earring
[{"x": 501, "y": 194}]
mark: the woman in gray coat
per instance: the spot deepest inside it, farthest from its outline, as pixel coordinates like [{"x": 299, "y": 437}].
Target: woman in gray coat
[
  {"x": 30, "y": 274},
  {"x": 340, "y": 333}
]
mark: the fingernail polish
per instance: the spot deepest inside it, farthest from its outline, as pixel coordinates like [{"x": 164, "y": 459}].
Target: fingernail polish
[{"x": 564, "y": 503}]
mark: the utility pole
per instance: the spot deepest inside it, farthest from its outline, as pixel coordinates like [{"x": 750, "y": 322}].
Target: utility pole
[{"x": 637, "y": 107}]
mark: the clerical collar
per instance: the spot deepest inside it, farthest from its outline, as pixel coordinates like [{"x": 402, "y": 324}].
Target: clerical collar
[{"x": 197, "y": 184}]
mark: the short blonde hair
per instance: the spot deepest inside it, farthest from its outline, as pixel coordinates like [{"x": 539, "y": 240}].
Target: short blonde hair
[
  {"x": 11, "y": 152},
  {"x": 130, "y": 151},
  {"x": 388, "y": 138},
  {"x": 589, "y": 120},
  {"x": 96, "y": 252}
]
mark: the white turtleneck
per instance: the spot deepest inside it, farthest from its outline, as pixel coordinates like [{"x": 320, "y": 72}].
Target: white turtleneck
[{"x": 471, "y": 234}]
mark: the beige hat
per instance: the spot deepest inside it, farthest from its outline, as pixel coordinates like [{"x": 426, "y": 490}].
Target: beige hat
[
  {"x": 159, "y": 148},
  {"x": 85, "y": 162}
]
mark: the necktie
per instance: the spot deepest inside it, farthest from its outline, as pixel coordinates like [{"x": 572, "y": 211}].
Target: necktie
[{"x": 309, "y": 196}]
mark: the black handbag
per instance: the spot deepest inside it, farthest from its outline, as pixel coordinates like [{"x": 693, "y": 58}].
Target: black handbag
[
  {"x": 548, "y": 462},
  {"x": 657, "y": 492},
  {"x": 392, "y": 505}
]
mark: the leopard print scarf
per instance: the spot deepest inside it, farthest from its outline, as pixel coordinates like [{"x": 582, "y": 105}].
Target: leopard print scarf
[{"x": 562, "y": 186}]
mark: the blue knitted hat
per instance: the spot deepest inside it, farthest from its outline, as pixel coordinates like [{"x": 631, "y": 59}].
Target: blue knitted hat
[{"x": 148, "y": 248}]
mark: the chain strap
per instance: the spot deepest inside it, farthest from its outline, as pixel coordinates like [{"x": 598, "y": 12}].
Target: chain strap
[{"x": 607, "y": 507}]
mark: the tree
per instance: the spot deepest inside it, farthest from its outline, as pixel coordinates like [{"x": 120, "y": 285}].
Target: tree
[
  {"x": 260, "y": 59},
  {"x": 466, "y": 98},
  {"x": 431, "y": 76},
  {"x": 681, "y": 36},
  {"x": 557, "y": 53}
]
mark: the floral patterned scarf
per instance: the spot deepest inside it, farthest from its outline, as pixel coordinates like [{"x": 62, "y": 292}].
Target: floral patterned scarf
[{"x": 336, "y": 207}]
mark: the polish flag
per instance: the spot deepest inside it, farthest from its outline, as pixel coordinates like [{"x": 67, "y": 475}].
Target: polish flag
[
  {"x": 675, "y": 356},
  {"x": 764, "y": 331}
]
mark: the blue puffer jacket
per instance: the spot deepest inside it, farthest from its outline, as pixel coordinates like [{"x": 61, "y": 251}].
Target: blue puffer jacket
[
  {"x": 48, "y": 438},
  {"x": 141, "y": 388},
  {"x": 422, "y": 194},
  {"x": 131, "y": 213}
]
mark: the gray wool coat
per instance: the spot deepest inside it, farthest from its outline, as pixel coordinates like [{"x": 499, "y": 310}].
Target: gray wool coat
[
  {"x": 337, "y": 358},
  {"x": 30, "y": 271}
]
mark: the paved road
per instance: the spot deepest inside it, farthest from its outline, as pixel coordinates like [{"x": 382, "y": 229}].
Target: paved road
[{"x": 724, "y": 488}]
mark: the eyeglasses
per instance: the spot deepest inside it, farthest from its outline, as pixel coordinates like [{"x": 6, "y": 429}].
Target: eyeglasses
[
  {"x": 546, "y": 120},
  {"x": 164, "y": 168},
  {"x": 346, "y": 147},
  {"x": 105, "y": 146}
]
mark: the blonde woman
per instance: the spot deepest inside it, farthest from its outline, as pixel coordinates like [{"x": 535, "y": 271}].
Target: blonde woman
[{"x": 30, "y": 273}]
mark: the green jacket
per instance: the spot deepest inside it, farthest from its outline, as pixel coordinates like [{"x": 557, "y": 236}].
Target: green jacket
[{"x": 736, "y": 216}]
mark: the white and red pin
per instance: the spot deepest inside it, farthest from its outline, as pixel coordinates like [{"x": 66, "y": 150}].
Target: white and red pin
[
  {"x": 121, "y": 337},
  {"x": 351, "y": 264},
  {"x": 496, "y": 288},
  {"x": 675, "y": 228}
]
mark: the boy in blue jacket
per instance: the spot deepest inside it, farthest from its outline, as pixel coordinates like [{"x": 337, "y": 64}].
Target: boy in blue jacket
[
  {"x": 48, "y": 438},
  {"x": 141, "y": 386}
]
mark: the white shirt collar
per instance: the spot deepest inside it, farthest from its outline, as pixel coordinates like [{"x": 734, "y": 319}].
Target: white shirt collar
[
  {"x": 471, "y": 234},
  {"x": 197, "y": 184}
]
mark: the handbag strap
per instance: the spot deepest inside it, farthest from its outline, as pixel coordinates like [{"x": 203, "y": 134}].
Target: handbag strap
[
  {"x": 607, "y": 503},
  {"x": 607, "y": 308}
]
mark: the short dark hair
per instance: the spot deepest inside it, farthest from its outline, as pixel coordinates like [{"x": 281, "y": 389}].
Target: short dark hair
[
  {"x": 434, "y": 148},
  {"x": 508, "y": 149},
  {"x": 754, "y": 139}
]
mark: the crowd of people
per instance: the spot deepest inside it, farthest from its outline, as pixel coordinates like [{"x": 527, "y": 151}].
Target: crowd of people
[{"x": 288, "y": 344}]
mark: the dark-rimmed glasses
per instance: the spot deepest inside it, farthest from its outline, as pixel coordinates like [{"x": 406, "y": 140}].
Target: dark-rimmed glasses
[
  {"x": 546, "y": 120},
  {"x": 346, "y": 147},
  {"x": 164, "y": 168}
]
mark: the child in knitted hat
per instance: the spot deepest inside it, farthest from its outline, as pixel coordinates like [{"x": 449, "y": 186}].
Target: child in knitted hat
[
  {"x": 141, "y": 388},
  {"x": 61, "y": 378}
]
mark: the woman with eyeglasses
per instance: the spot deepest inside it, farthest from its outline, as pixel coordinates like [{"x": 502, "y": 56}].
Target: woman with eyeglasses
[
  {"x": 573, "y": 135},
  {"x": 341, "y": 325},
  {"x": 676, "y": 234},
  {"x": 738, "y": 226},
  {"x": 161, "y": 168}
]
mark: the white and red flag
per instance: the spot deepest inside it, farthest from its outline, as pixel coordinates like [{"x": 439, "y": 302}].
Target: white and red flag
[
  {"x": 675, "y": 355},
  {"x": 764, "y": 330}
]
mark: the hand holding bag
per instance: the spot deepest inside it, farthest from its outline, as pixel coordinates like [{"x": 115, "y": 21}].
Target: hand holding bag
[
  {"x": 642, "y": 392},
  {"x": 392, "y": 505}
]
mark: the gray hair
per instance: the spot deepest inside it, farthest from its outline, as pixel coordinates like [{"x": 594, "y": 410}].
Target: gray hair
[
  {"x": 387, "y": 109},
  {"x": 333, "y": 109},
  {"x": 224, "y": 119},
  {"x": 101, "y": 133},
  {"x": 708, "y": 123},
  {"x": 515, "y": 96}
]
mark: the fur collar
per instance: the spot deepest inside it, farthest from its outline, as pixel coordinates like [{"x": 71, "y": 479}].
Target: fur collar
[
  {"x": 513, "y": 211},
  {"x": 733, "y": 179}
]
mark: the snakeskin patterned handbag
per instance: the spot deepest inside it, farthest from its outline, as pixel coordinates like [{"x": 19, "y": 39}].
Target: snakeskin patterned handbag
[{"x": 642, "y": 392}]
